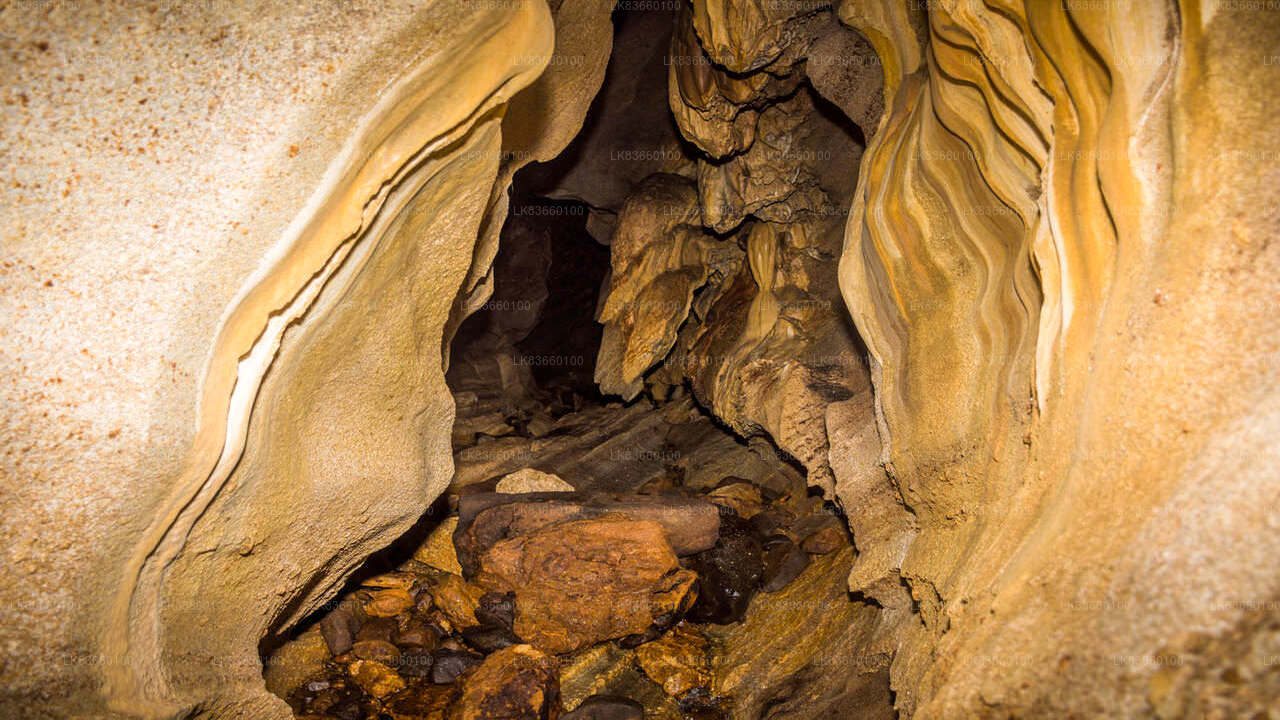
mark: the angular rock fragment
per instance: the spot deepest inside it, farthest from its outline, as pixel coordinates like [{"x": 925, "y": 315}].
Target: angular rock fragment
[
  {"x": 447, "y": 665},
  {"x": 379, "y": 650},
  {"x": 376, "y": 678},
  {"x": 416, "y": 634},
  {"x": 377, "y": 629},
  {"x": 585, "y": 581},
  {"x": 828, "y": 539},
  {"x": 677, "y": 661},
  {"x": 457, "y": 598},
  {"x": 690, "y": 525},
  {"x": 415, "y": 664},
  {"x": 489, "y": 639},
  {"x": 388, "y": 602},
  {"x": 438, "y": 551},
  {"x": 339, "y": 629},
  {"x": 516, "y": 683},
  {"x": 783, "y": 562},
  {"x": 741, "y": 497}
]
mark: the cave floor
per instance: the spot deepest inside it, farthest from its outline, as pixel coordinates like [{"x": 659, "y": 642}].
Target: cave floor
[{"x": 604, "y": 560}]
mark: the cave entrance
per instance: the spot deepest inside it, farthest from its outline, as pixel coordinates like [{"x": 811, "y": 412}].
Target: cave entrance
[{"x": 633, "y": 528}]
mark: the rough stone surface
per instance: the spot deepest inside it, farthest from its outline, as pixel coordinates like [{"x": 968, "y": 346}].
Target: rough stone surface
[
  {"x": 438, "y": 551},
  {"x": 585, "y": 581},
  {"x": 518, "y": 683},
  {"x": 678, "y": 661},
  {"x": 191, "y": 252},
  {"x": 529, "y": 480},
  {"x": 689, "y": 525}
]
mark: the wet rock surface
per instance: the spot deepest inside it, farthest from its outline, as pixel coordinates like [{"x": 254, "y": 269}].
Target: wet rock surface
[
  {"x": 586, "y": 589},
  {"x": 606, "y": 707},
  {"x": 586, "y": 581},
  {"x": 515, "y": 683}
]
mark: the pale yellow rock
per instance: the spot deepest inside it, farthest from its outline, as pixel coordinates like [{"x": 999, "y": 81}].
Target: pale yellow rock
[
  {"x": 529, "y": 480},
  {"x": 295, "y": 662},
  {"x": 438, "y": 550},
  {"x": 220, "y": 376}
]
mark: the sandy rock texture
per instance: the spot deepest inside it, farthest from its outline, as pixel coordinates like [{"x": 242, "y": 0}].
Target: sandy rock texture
[
  {"x": 221, "y": 220},
  {"x": 1058, "y": 256}
]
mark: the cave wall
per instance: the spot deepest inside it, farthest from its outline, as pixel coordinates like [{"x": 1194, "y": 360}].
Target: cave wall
[
  {"x": 222, "y": 221},
  {"x": 1059, "y": 258},
  {"x": 1059, "y": 464}
]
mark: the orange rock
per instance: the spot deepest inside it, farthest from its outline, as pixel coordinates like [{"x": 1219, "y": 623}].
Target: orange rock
[
  {"x": 828, "y": 539},
  {"x": 457, "y": 598},
  {"x": 389, "y": 602},
  {"x": 586, "y": 581},
  {"x": 741, "y": 497},
  {"x": 375, "y": 678},
  {"x": 677, "y": 661},
  {"x": 379, "y": 650},
  {"x": 515, "y": 683}
]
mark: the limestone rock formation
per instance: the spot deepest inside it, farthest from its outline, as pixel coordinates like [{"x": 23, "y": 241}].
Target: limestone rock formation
[
  {"x": 236, "y": 258},
  {"x": 1040, "y": 206},
  {"x": 996, "y": 279}
]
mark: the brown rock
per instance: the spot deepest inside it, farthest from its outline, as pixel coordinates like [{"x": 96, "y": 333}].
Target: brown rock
[
  {"x": 606, "y": 707},
  {"x": 691, "y": 525},
  {"x": 677, "y": 661},
  {"x": 398, "y": 579},
  {"x": 377, "y": 629},
  {"x": 339, "y": 629},
  {"x": 586, "y": 581},
  {"x": 783, "y": 562},
  {"x": 457, "y": 598},
  {"x": 449, "y": 663},
  {"x": 376, "y": 678},
  {"x": 741, "y": 497},
  {"x": 516, "y": 683},
  {"x": 828, "y": 539},
  {"x": 420, "y": 702},
  {"x": 379, "y": 650},
  {"x": 418, "y": 634},
  {"x": 389, "y": 602}
]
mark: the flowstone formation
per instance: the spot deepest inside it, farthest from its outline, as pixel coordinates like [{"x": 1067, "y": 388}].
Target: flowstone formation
[
  {"x": 231, "y": 296},
  {"x": 987, "y": 285}
]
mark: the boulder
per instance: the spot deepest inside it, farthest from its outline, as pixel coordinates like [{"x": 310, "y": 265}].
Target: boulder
[{"x": 585, "y": 581}]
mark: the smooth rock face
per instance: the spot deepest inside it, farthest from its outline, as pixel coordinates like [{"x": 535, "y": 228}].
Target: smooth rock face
[
  {"x": 585, "y": 581},
  {"x": 222, "y": 381},
  {"x": 606, "y": 707}
]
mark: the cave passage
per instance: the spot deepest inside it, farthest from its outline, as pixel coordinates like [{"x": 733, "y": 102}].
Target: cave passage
[{"x": 630, "y": 532}]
